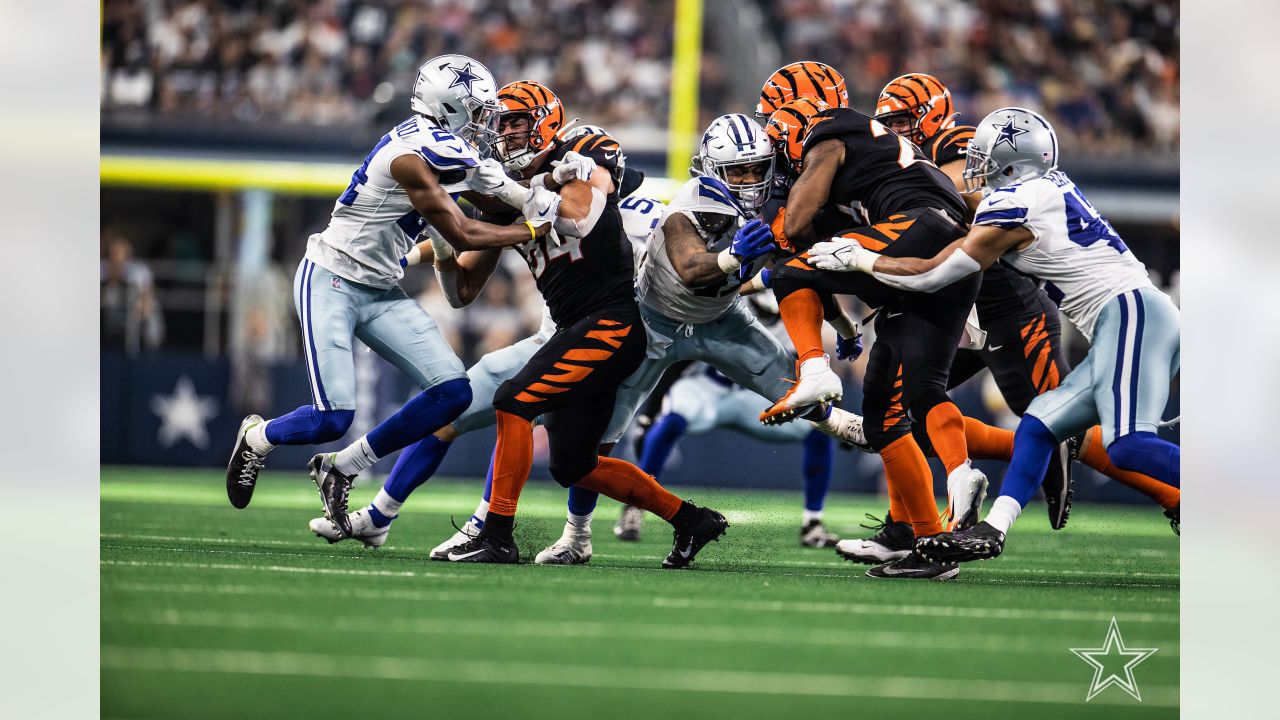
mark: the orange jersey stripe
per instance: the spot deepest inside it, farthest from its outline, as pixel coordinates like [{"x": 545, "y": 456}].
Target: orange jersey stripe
[
  {"x": 572, "y": 374},
  {"x": 587, "y": 355}
]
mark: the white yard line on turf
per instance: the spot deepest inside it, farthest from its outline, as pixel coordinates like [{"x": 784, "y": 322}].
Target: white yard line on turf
[
  {"x": 583, "y": 596},
  {"x": 456, "y": 670}
]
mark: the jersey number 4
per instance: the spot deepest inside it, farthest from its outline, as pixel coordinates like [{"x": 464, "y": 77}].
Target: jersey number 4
[{"x": 543, "y": 251}]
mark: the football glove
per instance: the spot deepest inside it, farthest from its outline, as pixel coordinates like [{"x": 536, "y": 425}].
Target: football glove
[
  {"x": 841, "y": 255},
  {"x": 489, "y": 178},
  {"x": 849, "y": 348},
  {"x": 752, "y": 241},
  {"x": 541, "y": 207},
  {"x": 572, "y": 167}
]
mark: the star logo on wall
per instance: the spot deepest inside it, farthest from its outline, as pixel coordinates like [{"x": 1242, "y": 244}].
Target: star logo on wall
[
  {"x": 1008, "y": 134},
  {"x": 464, "y": 76},
  {"x": 1121, "y": 659},
  {"x": 184, "y": 415}
]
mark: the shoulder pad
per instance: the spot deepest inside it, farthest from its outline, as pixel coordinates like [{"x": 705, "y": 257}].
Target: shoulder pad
[
  {"x": 705, "y": 194},
  {"x": 441, "y": 149},
  {"x": 950, "y": 144},
  {"x": 606, "y": 152}
]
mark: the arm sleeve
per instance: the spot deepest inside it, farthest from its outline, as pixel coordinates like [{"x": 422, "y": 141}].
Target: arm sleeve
[{"x": 956, "y": 267}]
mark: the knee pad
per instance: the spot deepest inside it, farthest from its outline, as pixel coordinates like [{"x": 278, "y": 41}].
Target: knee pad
[
  {"x": 925, "y": 401},
  {"x": 331, "y": 425},
  {"x": 504, "y": 399},
  {"x": 879, "y": 438},
  {"x": 454, "y": 396},
  {"x": 570, "y": 472}
]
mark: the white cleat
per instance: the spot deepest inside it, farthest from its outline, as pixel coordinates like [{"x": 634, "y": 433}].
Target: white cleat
[
  {"x": 845, "y": 427},
  {"x": 362, "y": 529},
  {"x": 629, "y": 523},
  {"x": 573, "y": 548},
  {"x": 463, "y": 536},
  {"x": 966, "y": 489},
  {"x": 817, "y": 383}
]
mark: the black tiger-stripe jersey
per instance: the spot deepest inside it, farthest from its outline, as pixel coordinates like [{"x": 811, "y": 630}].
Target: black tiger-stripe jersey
[
  {"x": 949, "y": 145},
  {"x": 882, "y": 171},
  {"x": 580, "y": 276}
]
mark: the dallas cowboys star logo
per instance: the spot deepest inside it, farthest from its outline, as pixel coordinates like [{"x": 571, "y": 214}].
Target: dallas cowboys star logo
[
  {"x": 1113, "y": 647},
  {"x": 463, "y": 76},
  {"x": 1008, "y": 134},
  {"x": 184, "y": 414}
]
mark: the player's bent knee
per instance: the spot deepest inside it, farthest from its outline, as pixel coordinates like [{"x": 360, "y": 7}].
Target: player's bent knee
[
  {"x": 505, "y": 400},
  {"x": 879, "y": 438},
  {"x": 331, "y": 425},
  {"x": 454, "y": 395},
  {"x": 571, "y": 472}
]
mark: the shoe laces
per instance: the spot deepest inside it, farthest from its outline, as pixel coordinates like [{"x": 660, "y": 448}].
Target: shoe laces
[
  {"x": 253, "y": 462},
  {"x": 454, "y": 523}
]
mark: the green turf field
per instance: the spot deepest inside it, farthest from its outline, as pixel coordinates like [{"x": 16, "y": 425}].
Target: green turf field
[{"x": 210, "y": 612}]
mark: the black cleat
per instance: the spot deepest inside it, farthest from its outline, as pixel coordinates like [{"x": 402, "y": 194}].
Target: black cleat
[
  {"x": 914, "y": 567},
  {"x": 1058, "y": 484},
  {"x": 244, "y": 466},
  {"x": 485, "y": 549},
  {"x": 709, "y": 526},
  {"x": 892, "y": 541},
  {"x": 816, "y": 535},
  {"x": 629, "y": 523},
  {"x": 1175, "y": 518},
  {"x": 980, "y": 542},
  {"x": 334, "y": 488}
]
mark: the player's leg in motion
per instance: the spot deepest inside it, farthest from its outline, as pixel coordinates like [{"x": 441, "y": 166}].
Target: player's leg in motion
[
  {"x": 328, "y": 315},
  {"x": 397, "y": 328},
  {"x": 1124, "y": 381}
]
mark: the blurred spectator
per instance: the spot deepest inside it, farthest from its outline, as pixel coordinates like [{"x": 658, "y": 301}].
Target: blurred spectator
[{"x": 131, "y": 317}]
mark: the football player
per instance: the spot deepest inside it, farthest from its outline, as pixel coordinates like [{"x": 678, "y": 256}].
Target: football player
[
  {"x": 1034, "y": 218},
  {"x": 697, "y": 259},
  {"x": 348, "y": 284}
]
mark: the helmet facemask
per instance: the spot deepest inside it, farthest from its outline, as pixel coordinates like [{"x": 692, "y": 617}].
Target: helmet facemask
[
  {"x": 979, "y": 171},
  {"x": 482, "y": 130},
  {"x": 750, "y": 191}
]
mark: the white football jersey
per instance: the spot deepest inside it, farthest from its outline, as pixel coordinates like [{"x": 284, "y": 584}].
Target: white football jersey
[
  {"x": 640, "y": 215},
  {"x": 373, "y": 224},
  {"x": 1076, "y": 254},
  {"x": 659, "y": 284}
]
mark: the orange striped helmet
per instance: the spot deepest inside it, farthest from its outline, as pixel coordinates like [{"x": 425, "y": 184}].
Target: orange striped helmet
[
  {"x": 918, "y": 102},
  {"x": 545, "y": 113},
  {"x": 789, "y": 127},
  {"x": 807, "y": 78}
]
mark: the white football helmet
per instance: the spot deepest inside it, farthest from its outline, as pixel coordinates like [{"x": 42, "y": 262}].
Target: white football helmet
[
  {"x": 737, "y": 141},
  {"x": 460, "y": 94},
  {"x": 1011, "y": 145}
]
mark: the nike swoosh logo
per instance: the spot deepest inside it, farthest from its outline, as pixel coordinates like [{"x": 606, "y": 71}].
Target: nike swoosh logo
[
  {"x": 907, "y": 571},
  {"x": 544, "y": 210},
  {"x": 685, "y": 553},
  {"x": 994, "y": 348},
  {"x": 610, "y": 156},
  {"x": 454, "y": 556},
  {"x": 892, "y": 315}
]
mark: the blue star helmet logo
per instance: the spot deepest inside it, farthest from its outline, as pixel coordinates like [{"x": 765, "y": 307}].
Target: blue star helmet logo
[
  {"x": 464, "y": 76},
  {"x": 1008, "y": 134}
]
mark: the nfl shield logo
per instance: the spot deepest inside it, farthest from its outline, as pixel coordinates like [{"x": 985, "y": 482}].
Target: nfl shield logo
[{"x": 335, "y": 282}]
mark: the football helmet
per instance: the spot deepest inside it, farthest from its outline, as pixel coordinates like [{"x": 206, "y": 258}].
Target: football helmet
[
  {"x": 789, "y": 127},
  {"x": 920, "y": 100},
  {"x": 736, "y": 141},
  {"x": 807, "y": 78},
  {"x": 571, "y": 131},
  {"x": 518, "y": 151},
  {"x": 1011, "y": 145},
  {"x": 460, "y": 94}
]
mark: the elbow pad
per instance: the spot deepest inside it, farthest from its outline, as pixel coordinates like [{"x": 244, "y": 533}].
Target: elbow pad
[
  {"x": 580, "y": 228},
  {"x": 956, "y": 267}
]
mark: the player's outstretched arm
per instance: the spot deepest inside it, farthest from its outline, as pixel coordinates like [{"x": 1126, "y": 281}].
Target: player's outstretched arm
[
  {"x": 976, "y": 252},
  {"x": 461, "y": 232},
  {"x": 811, "y": 191}
]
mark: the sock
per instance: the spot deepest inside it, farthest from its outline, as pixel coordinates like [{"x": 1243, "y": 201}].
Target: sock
[
  {"x": 987, "y": 442},
  {"x": 811, "y": 515},
  {"x": 628, "y": 484},
  {"x": 513, "y": 460},
  {"x": 1033, "y": 446},
  {"x": 1003, "y": 512},
  {"x": 802, "y": 315},
  {"x": 354, "y": 458},
  {"x": 488, "y": 478},
  {"x": 426, "y": 413},
  {"x": 660, "y": 441},
  {"x": 907, "y": 473},
  {"x": 383, "y": 509},
  {"x": 946, "y": 428},
  {"x": 897, "y": 508},
  {"x": 817, "y": 472},
  {"x": 1094, "y": 455},
  {"x": 1147, "y": 453},
  {"x": 481, "y": 514},
  {"x": 416, "y": 465},
  {"x": 256, "y": 436},
  {"x": 308, "y": 426},
  {"x": 582, "y": 501},
  {"x": 580, "y": 525}
]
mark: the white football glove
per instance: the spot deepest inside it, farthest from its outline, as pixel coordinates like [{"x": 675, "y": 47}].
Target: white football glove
[
  {"x": 489, "y": 178},
  {"x": 841, "y": 255},
  {"x": 573, "y": 167},
  {"x": 541, "y": 207}
]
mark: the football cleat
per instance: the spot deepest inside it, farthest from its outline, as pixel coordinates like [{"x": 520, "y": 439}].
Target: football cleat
[
  {"x": 966, "y": 489},
  {"x": 628, "y": 527},
  {"x": 980, "y": 542},
  {"x": 464, "y": 534},
  {"x": 709, "y": 526},
  {"x": 485, "y": 549},
  {"x": 362, "y": 529},
  {"x": 334, "y": 488},
  {"x": 1175, "y": 518},
  {"x": 846, "y": 427},
  {"x": 892, "y": 541},
  {"x": 1058, "y": 486},
  {"x": 815, "y": 535},
  {"x": 244, "y": 466},
  {"x": 817, "y": 383},
  {"x": 914, "y": 567},
  {"x": 573, "y": 548}
]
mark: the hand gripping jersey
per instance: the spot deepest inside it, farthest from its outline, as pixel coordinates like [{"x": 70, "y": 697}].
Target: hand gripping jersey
[
  {"x": 882, "y": 170},
  {"x": 716, "y": 217},
  {"x": 373, "y": 224},
  {"x": 1078, "y": 256},
  {"x": 579, "y": 276}
]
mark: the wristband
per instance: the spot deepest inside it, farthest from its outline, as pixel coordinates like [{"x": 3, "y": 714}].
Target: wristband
[
  {"x": 533, "y": 233},
  {"x": 864, "y": 260},
  {"x": 413, "y": 257},
  {"x": 727, "y": 262}
]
